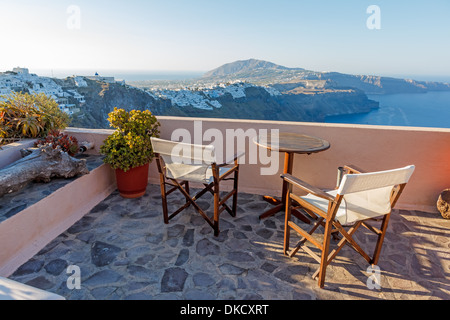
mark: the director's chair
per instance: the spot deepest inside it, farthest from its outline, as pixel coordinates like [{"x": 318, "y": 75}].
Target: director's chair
[
  {"x": 360, "y": 197},
  {"x": 181, "y": 163}
]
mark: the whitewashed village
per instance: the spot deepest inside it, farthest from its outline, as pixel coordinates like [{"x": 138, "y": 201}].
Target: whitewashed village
[
  {"x": 201, "y": 96},
  {"x": 204, "y": 96},
  {"x": 20, "y": 79}
]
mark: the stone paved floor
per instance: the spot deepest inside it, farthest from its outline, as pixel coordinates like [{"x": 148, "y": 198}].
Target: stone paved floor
[{"x": 125, "y": 251}]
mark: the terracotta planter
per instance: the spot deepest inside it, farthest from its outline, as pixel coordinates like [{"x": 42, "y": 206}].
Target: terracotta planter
[{"x": 133, "y": 183}]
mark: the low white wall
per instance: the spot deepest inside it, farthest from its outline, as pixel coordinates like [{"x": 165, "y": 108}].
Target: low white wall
[
  {"x": 26, "y": 233},
  {"x": 95, "y": 136},
  {"x": 371, "y": 148},
  {"x": 29, "y": 231},
  {"x": 11, "y": 152}
]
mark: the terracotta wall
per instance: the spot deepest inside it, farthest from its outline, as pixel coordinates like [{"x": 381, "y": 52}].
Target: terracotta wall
[
  {"x": 26, "y": 233},
  {"x": 371, "y": 148}
]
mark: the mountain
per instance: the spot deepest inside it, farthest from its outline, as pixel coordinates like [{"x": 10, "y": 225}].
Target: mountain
[
  {"x": 244, "y": 67},
  {"x": 234, "y": 101},
  {"x": 253, "y": 71},
  {"x": 267, "y": 73},
  {"x": 246, "y": 89},
  {"x": 382, "y": 85}
]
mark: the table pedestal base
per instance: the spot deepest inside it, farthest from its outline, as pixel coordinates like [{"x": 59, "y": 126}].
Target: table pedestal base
[{"x": 290, "y": 144}]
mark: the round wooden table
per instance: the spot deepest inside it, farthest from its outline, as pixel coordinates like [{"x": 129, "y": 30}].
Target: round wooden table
[{"x": 290, "y": 144}]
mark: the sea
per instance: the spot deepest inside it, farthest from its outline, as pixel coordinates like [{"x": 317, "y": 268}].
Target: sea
[{"x": 431, "y": 109}]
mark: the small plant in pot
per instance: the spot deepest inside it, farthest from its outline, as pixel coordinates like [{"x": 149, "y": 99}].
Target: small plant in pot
[
  {"x": 129, "y": 149},
  {"x": 57, "y": 138}
]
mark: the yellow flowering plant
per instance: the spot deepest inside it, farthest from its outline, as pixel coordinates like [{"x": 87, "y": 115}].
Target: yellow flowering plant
[{"x": 130, "y": 145}]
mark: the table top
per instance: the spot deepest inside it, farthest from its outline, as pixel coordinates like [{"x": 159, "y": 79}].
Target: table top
[{"x": 292, "y": 143}]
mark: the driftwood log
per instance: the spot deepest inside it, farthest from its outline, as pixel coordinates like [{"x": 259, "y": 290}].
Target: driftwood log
[{"x": 40, "y": 165}]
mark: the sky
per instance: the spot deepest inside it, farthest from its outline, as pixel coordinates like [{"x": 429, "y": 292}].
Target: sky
[{"x": 402, "y": 38}]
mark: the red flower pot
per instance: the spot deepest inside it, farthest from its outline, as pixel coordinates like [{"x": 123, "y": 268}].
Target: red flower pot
[{"x": 133, "y": 183}]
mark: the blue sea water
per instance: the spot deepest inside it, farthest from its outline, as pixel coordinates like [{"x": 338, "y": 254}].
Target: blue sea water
[{"x": 431, "y": 109}]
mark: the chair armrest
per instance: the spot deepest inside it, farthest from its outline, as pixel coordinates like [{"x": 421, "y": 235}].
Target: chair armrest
[
  {"x": 231, "y": 160},
  {"x": 342, "y": 171},
  {"x": 307, "y": 187},
  {"x": 351, "y": 169}
]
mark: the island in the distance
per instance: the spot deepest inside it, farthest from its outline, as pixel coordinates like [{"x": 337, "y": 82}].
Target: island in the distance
[{"x": 247, "y": 89}]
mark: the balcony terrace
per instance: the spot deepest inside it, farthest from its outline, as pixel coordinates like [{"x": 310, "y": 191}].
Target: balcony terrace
[{"x": 125, "y": 251}]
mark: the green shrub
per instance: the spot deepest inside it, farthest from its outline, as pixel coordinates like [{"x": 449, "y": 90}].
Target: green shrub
[
  {"x": 130, "y": 145},
  {"x": 30, "y": 116}
]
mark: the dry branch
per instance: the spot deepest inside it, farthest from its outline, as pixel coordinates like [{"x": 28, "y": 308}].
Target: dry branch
[{"x": 41, "y": 165}]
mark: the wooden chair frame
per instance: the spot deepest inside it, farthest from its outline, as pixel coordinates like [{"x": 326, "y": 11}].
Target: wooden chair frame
[
  {"x": 331, "y": 226},
  {"x": 214, "y": 188}
]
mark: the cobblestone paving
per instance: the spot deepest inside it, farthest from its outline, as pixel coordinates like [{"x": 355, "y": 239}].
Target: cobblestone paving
[{"x": 125, "y": 251}]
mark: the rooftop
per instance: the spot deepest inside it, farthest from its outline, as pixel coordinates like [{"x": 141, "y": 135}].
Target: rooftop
[{"x": 125, "y": 251}]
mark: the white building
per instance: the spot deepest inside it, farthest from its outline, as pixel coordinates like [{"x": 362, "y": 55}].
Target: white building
[
  {"x": 80, "y": 82},
  {"x": 23, "y": 71},
  {"x": 70, "y": 109},
  {"x": 97, "y": 77}
]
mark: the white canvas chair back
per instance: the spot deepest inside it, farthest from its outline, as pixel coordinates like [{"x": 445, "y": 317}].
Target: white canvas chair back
[
  {"x": 186, "y": 161},
  {"x": 368, "y": 195}
]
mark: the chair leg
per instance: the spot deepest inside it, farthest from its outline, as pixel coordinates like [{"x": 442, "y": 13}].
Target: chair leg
[
  {"x": 379, "y": 245},
  {"x": 287, "y": 228},
  {"x": 216, "y": 210},
  {"x": 236, "y": 184},
  {"x": 186, "y": 187},
  {"x": 324, "y": 257},
  {"x": 164, "y": 198}
]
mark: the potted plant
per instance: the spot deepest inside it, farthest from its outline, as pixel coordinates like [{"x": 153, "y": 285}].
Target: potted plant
[{"x": 129, "y": 150}]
